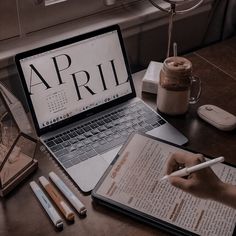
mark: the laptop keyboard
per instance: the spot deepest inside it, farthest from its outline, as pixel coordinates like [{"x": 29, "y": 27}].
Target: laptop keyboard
[{"x": 102, "y": 133}]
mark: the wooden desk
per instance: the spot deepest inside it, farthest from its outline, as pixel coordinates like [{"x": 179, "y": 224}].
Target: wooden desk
[{"x": 21, "y": 214}]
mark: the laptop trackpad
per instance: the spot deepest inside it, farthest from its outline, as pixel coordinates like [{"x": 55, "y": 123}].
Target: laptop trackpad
[
  {"x": 110, "y": 155},
  {"x": 95, "y": 166}
]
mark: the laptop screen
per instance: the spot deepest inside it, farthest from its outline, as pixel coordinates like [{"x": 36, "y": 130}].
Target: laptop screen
[{"x": 77, "y": 76}]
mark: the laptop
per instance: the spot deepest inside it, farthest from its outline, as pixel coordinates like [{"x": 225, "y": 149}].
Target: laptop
[{"x": 83, "y": 102}]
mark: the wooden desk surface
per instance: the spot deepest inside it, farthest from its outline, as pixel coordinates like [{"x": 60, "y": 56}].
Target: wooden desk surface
[{"x": 21, "y": 214}]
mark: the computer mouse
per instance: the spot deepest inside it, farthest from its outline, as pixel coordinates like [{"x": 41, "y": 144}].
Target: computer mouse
[{"x": 217, "y": 117}]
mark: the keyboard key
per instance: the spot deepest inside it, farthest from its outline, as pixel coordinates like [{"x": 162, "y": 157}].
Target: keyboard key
[
  {"x": 142, "y": 124},
  {"x": 81, "y": 137},
  {"x": 79, "y": 152},
  {"x": 66, "y": 144},
  {"x": 72, "y": 148},
  {"x": 116, "y": 135},
  {"x": 107, "y": 120},
  {"x": 87, "y": 141},
  {"x": 87, "y": 128},
  {"x": 136, "y": 127},
  {"x": 109, "y": 125},
  {"x": 56, "y": 148},
  {"x": 148, "y": 127},
  {"x": 102, "y": 128},
  {"x": 95, "y": 145},
  {"x": 67, "y": 164},
  {"x": 156, "y": 125},
  {"x": 94, "y": 125},
  {"x": 114, "y": 117},
  {"x": 80, "y": 144},
  {"x": 91, "y": 153},
  {"x": 95, "y": 131},
  {"x": 88, "y": 134},
  {"x": 153, "y": 121},
  {"x": 109, "y": 138},
  {"x": 80, "y": 131},
  {"x": 73, "y": 134},
  {"x": 94, "y": 138},
  {"x": 83, "y": 157},
  {"x": 58, "y": 140},
  {"x": 108, "y": 132},
  {"x": 130, "y": 130},
  {"x": 76, "y": 160},
  {"x": 116, "y": 122},
  {"x": 50, "y": 139},
  {"x": 161, "y": 122},
  {"x": 65, "y": 137},
  {"x": 128, "y": 124},
  {"x": 74, "y": 140},
  {"x": 124, "y": 133},
  {"x": 50, "y": 143},
  {"x": 87, "y": 148},
  {"x": 141, "y": 112},
  {"x": 63, "y": 158},
  {"x": 101, "y": 135},
  {"x": 61, "y": 152},
  {"x": 100, "y": 122},
  {"x": 102, "y": 142}
]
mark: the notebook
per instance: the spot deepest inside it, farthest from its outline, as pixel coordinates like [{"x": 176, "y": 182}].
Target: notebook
[{"x": 83, "y": 102}]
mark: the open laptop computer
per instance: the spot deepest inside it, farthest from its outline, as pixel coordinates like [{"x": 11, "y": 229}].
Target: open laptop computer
[{"x": 83, "y": 102}]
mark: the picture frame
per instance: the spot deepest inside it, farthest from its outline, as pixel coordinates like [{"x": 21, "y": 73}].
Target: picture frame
[{"x": 17, "y": 150}]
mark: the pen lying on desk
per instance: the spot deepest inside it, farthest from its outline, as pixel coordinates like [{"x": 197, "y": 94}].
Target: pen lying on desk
[
  {"x": 57, "y": 199},
  {"x": 77, "y": 204},
  {"x": 188, "y": 170},
  {"x": 47, "y": 205}
]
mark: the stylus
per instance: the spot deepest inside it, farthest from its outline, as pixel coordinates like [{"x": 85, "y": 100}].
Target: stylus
[{"x": 188, "y": 170}]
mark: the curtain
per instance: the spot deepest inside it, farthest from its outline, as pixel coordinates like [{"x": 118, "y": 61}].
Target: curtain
[
  {"x": 229, "y": 26},
  {"x": 221, "y": 21}
]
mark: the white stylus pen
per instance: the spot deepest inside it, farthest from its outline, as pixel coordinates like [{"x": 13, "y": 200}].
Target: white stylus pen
[
  {"x": 188, "y": 170},
  {"x": 77, "y": 204}
]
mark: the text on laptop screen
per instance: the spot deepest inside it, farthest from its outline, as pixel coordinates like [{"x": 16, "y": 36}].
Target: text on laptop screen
[{"x": 66, "y": 81}]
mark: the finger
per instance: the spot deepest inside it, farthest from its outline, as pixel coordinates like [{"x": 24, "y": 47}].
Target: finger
[
  {"x": 176, "y": 161},
  {"x": 172, "y": 165},
  {"x": 180, "y": 183},
  {"x": 180, "y": 159},
  {"x": 189, "y": 159},
  {"x": 201, "y": 158}
]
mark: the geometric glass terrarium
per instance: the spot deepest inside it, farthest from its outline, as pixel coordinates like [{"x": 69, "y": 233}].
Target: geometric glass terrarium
[{"x": 17, "y": 151}]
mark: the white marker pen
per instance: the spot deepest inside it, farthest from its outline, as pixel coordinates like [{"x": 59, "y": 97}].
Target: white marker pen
[
  {"x": 77, "y": 204},
  {"x": 47, "y": 205}
]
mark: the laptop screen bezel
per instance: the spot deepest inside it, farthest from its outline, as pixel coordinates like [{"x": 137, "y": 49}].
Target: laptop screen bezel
[{"x": 60, "y": 124}]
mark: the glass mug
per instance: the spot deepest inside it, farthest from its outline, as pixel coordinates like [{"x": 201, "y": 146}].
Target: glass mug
[{"x": 177, "y": 86}]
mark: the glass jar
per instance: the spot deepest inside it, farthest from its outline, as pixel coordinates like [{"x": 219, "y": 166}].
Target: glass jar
[{"x": 177, "y": 86}]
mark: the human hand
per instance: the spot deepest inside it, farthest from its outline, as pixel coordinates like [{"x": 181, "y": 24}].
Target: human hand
[{"x": 203, "y": 183}]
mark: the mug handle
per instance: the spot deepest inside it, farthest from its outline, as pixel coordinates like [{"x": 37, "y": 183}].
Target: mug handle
[{"x": 195, "y": 89}]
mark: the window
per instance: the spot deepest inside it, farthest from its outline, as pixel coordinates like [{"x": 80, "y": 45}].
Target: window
[{"x": 26, "y": 16}]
